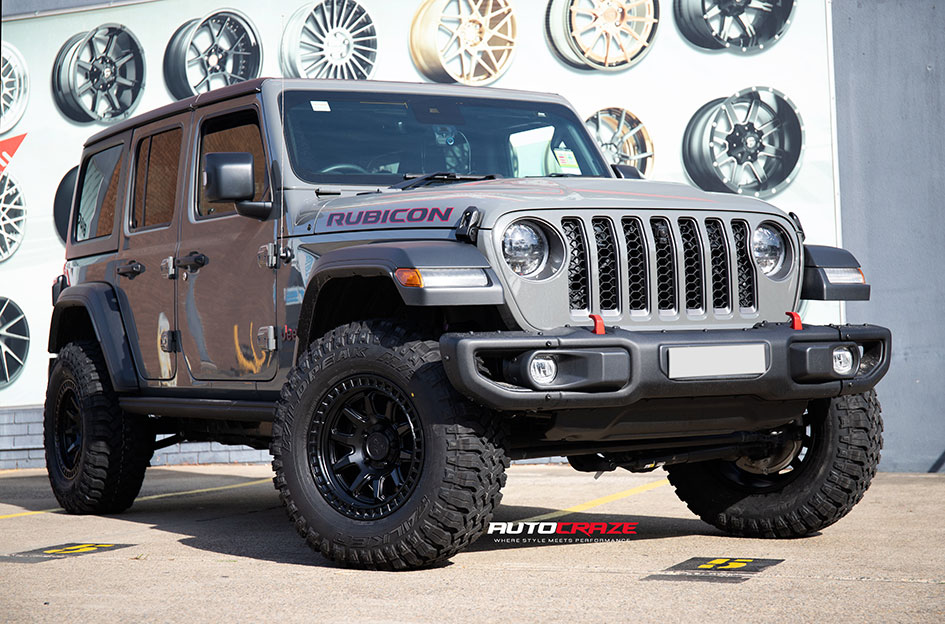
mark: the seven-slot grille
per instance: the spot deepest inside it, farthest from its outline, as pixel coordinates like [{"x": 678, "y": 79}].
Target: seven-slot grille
[{"x": 669, "y": 263}]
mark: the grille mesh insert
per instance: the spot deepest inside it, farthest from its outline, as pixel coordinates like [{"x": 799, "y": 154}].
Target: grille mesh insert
[
  {"x": 692, "y": 259},
  {"x": 608, "y": 275},
  {"x": 578, "y": 279},
  {"x": 746, "y": 271}
]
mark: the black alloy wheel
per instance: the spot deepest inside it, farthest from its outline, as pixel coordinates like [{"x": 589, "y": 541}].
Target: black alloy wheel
[
  {"x": 68, "y": 428},
  {"x": 366, "y": 447}
]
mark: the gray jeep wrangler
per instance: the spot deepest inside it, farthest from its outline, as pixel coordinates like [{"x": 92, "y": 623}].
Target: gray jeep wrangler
[{"x": 398, "y": 288}]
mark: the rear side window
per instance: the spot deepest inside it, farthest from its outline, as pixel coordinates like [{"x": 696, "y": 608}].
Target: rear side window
[
  {"x": 98, "y": 195},
  {"x": 156, "y": 165},
  {"x": 235, "y": 132}
]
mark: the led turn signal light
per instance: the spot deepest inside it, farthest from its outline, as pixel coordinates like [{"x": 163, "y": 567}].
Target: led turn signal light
[{"x": 409, "y": 278}]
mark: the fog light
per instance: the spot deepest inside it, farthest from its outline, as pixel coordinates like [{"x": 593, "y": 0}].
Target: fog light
[
  {"x": 842, "y": 361},
  {"x": 543, "y": 369}
]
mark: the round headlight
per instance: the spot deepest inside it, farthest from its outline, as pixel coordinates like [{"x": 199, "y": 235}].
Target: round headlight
[
  {"x": 769, "y": 248},
  {"x": 525, "y": 248}
]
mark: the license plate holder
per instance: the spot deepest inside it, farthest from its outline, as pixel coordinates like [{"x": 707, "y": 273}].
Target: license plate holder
[{"x": 716, "y": 361}]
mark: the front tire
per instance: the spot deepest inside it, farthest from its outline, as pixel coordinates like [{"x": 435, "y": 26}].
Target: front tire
[
  {"x": 95, "y": 454},
  {"x": 830, "y": 469},
  {"x": 379, "y": 462}
]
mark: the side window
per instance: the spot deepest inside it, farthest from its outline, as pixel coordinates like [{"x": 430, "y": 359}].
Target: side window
[
  {"x": 235, "y": 132},
  {"x": 98, "y": 195},
  {"x": 156, "y": 165}
]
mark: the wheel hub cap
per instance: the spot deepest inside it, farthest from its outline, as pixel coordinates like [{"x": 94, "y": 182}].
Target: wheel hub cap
[
  {"x": 744, "y": 143},
  {"x": 377, "y": 446},
  {"x": 473, "y": 32},
  {"x": 338, "y": 46},
  {"x": 103, "y": 73},
  {"x": 733, "y": 8}
]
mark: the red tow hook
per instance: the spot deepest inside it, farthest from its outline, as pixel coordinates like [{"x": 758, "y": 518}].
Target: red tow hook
[
  {"x": 599, "y": 324},
  {"x": 795, "y": 320}
]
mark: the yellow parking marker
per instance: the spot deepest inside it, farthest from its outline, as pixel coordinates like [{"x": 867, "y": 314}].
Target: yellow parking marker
[
  {"x": 152, "y": 497},
  {"x": 599, "y": 501}
]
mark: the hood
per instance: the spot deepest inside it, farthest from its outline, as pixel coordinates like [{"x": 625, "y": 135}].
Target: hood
[{"x": 442, "y": 206}]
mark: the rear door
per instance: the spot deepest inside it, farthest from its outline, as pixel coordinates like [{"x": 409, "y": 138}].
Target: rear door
[
  {"x": 150, "y": 241},
  {"x": 226, "y": 305}
]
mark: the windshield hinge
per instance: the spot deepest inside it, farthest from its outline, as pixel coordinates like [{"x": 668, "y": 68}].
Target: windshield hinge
[
  {"x": 270, "y": 254},
  {"x": 468, "y": 228}
]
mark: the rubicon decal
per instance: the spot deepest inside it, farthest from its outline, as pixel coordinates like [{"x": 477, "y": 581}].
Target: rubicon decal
[{"x": 350, "y": 218}]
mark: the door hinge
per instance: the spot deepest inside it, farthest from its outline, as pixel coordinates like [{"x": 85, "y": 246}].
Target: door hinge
[
  {"x": 266, "y": 338},
  {"x": 270, "y": 254},
  {"x": 170, "y": 341},
  {"x": 168, "y": 269}
]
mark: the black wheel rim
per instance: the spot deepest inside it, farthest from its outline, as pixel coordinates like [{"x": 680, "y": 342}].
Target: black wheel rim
[
  {"x": 68, "y": 428},
  {"x": 365, "y": 447},
  {"x": 756, "y": 482}
]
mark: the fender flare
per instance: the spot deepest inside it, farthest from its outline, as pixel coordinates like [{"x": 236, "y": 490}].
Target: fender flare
[
  {"x": 101, "y": 304},
  {"x": 383, "y": 259},
  {"x": 816, "y": 287}
]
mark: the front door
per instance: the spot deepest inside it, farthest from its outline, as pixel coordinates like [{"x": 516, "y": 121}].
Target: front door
[
  {"x": 226, "y": 295},
  {"x": 150, "y": 241}
]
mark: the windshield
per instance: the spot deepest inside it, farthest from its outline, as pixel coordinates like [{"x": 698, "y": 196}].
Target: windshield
[{"x": 379, "y": 139}]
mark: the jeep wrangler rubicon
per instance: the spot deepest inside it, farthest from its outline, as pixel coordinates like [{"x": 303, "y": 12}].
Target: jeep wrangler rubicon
[{"x": 398, "y": 288}]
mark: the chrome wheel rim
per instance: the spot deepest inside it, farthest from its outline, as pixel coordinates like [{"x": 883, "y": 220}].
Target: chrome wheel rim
[
  {"x": 623, "y": 138},
  {"x": 218, "y": 50},
  {"x": 365, "y": 447},
  {"x": 99, "y": 75},
  {"x": 607, "y": 35},
  {"x": 12, "y": 216},
  {"x": 332, "y": 39},
  {"x": 463, "y": 41},
  {"x": 14, "y": 341},
  {"x": 739, "y": 25},
  {"x": 750, "y": 143},
  {"x": 16, "y": 87}
]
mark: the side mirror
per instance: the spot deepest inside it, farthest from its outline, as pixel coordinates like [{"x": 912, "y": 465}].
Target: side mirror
[
  {"x": 228, "y": 177},
  {"x": 627, "y": 171}
]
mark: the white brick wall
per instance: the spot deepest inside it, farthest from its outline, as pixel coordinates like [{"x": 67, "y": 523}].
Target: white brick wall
[{"x": 21, "y": 445}]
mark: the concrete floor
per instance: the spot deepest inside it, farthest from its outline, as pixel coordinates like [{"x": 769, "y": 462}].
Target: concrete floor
[{"x": 229, "y": 554}]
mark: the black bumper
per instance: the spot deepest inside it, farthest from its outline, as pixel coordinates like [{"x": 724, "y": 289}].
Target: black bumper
[{"x": 621, "y": 367}]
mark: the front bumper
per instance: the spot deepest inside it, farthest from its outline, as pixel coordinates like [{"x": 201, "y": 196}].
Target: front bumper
[{"x": 622, "y": 367}]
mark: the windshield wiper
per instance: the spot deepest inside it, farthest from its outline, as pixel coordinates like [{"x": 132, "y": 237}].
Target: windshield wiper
[{"x": 413, "y": 180}]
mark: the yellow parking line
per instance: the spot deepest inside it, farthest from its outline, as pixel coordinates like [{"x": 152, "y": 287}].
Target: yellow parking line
[
  {"x": 599, "y": 501},
  {"x": 152, "y": 497}
]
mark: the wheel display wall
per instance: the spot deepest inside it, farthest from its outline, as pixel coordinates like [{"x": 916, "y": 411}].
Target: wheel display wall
[
  {"x": 463, "y": 40},
  {"x": 329, "y": 39},
  {"x": 14, "y": 341},
  {"x": 617, "y": 61},
  {"x": 607, "y": 35},
  {"x": 12, "y": 216},
  {"x": 750, "y": 143},
  {"x": 218, "y": 50},
  {"x": 623, "y": 138},
  {"x": 99, "y": 75},
  {"x": 16, "y": 87},
  {"x": 738, "y": 25}
]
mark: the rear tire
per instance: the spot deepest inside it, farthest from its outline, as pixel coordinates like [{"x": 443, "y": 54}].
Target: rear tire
[
  {"x": 841, "y": 450},
  {"x": 379, "y": 462},
  {"x": 95, "y": 454}
]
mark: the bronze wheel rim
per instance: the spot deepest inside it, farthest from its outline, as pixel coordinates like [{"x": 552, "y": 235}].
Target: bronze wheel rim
[{"x": 463, "y": 40}]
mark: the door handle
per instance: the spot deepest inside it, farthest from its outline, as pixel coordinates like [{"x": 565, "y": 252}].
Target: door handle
[
  {"x": 192, "y": 261},
  {"x": 130, "y": 270}
]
